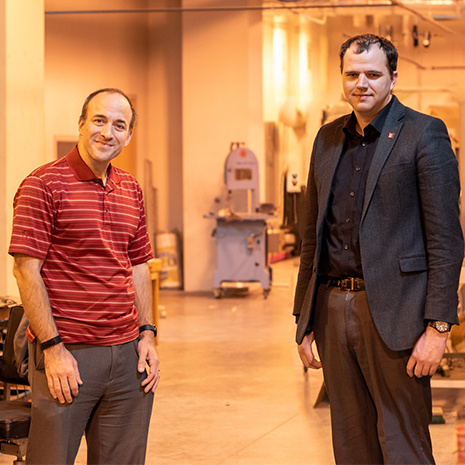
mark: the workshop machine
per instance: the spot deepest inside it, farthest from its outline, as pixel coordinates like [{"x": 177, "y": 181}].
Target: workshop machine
[{"x": 241, "y": 228}]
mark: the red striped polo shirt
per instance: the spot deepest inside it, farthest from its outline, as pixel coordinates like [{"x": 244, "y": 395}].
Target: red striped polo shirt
[{"x": 89, "y": 236}]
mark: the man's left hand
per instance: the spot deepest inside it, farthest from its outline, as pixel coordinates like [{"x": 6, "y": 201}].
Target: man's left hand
[
  {"x": 148, "y": 356},
  {"x": 427, "y": 353}
]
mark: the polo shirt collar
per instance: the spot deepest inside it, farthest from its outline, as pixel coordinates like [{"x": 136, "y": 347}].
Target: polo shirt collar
[{"x": 83, "y": 172}]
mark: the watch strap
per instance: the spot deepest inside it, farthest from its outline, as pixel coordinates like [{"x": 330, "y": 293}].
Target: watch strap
[
  {"x": 148, "y": 328},
  {"x": 51, "y": 342}
]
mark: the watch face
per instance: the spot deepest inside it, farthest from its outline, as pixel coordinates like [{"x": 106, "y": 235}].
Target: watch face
[{"x": 441, "y": 326}]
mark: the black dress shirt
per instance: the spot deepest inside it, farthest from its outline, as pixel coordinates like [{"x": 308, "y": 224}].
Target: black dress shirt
[{"x": 341, "y": 247}]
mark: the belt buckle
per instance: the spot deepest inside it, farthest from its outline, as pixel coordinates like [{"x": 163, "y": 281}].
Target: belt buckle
[{"x": 348, "y": 284}]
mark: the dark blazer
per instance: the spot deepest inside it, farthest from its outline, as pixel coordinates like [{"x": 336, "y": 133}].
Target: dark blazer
[{"x": 410, "y": 235}]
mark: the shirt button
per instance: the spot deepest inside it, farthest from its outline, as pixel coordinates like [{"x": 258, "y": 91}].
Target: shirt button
[
  {"x": 363, "y": 144},
  {"x": 346, "y": 247},
  {"x": 358, "y": 168},
  {"x": 347, "y": 220},
  {"x": 352, "y": 194}
]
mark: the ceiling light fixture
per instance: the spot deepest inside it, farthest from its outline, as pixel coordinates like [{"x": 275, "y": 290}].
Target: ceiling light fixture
[{"x": 426, "y": 39}]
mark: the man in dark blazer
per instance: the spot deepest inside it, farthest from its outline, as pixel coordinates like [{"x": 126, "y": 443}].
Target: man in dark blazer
[{"x": 382, "y": 250}]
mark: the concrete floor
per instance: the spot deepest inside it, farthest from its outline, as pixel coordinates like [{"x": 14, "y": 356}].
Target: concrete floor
[{"x": 233, "y": 390}]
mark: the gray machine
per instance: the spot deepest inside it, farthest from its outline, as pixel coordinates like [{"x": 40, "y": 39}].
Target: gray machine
[{"x": 241, "y": 235}]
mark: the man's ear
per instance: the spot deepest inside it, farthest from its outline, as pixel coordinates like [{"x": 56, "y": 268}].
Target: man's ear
[
  {"x": 393, "y": 80},
  {"x": 128, "y": 139}
]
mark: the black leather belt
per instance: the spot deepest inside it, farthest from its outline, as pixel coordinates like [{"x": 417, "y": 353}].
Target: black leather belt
[{"x": 345, "y": 284}]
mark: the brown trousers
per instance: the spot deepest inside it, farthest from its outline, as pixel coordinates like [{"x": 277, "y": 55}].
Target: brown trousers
[
  {"x": 379, "y": 415},
  {"x": 111, "y": 409}
]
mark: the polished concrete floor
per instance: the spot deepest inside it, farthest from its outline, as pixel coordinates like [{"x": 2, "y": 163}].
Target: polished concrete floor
[{"x": 233, "y": 390}]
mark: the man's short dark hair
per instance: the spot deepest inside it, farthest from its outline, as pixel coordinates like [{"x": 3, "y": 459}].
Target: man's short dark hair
[
  {"x": 364, "y": 42},
  {"x": 108, "y": 90}
]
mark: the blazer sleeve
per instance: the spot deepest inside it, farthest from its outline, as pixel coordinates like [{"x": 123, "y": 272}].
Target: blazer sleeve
[
  {"x": 439, "y": 190},
  {"x": 308, "y": 235}
]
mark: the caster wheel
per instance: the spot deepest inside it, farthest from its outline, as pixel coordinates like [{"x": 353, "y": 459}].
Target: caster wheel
[{"x": 218, "y": 293}]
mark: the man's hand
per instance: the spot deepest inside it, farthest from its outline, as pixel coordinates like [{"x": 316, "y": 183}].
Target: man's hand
[
  {"x": 148, "y": 355},
  {"x": 306, "y": 353},
  {"x": 62, "y": 373},
  {"x": 427, "y": 353}
]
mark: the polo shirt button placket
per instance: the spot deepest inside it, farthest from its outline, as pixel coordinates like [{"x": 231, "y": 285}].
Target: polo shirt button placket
[
  {"x": 105, "y": 209},
  {"x": 106, "y": 214}
]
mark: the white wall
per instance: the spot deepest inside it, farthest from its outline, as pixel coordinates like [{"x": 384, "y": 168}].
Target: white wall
[
  {"x": 85, "y": 52},
  {"x": 164, "y": 133},
  {"x": 222, "y": 102},
  {"x": 21, "y": 112}
]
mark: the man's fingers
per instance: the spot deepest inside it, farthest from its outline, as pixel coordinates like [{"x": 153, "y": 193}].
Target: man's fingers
[
  {"x": 419, "y": 369},
  {"x": 52, "y": 390},
  {"x": 303, "y": 356},
  {"x": 433, "y": 369},
  {"x": 61, "y": 389},
  {"x": 55, "y": 389},
  {"x": 74, "y": 386},
  {"x": 148, "y": 360},
  {"x": 151, "y": 382},
  {"x": 66, "y": 391},
  {"x": 141, "y": 364},
  {"x": 306, "y": 355},
  {"x": 155, "y": 384},
  {"x": 428, "y": 370},
  {"x": 410, "y": 366}
]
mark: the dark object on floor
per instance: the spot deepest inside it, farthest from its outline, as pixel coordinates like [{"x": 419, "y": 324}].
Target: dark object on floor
[
  {"x": 438, "y": 416},
  {"x": 15, "y": 415}
]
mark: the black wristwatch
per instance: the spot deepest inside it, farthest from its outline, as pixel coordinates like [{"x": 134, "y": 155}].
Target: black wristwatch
[
  {"x": 51, "y": 342},
  {"x": 148, "y": 328},
  {"x": 440, "y": 326}
]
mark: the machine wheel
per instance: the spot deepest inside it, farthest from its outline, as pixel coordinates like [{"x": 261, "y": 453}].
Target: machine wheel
[
  {"x": 218, "y": 292},
  {"x": 266, "y": 292}
]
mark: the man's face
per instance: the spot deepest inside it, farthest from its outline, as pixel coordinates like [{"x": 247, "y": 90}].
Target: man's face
[
  {"x": 366, "y": 81},
  {"x": 105, "y": 132}
]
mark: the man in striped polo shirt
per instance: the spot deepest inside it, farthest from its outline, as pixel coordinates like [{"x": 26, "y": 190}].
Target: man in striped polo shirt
[{"x": 81, "y": 247}]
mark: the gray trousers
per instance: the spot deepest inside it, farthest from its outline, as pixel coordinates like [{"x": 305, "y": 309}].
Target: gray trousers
[
  {"x": 111, "y": 409},
  {"x": 379, "y": 415}
]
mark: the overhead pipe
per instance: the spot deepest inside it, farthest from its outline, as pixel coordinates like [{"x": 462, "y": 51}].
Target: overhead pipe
[
  {"x": 397, "y": 3},
  {"x": 423, "y": 17},
  {"x": 215, "y": 9}
]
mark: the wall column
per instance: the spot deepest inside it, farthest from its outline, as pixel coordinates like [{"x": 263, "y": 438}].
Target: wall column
[
  {"x": 22, "y": 135},
  {"x": 222, "y": 103}
]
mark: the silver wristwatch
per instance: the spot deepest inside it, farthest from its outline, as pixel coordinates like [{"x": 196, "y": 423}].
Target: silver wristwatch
[{"x": 440, "y": 326}]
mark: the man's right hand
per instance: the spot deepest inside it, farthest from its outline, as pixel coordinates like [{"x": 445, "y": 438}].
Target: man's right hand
[
  {"x": 62, "y": 373},
  {"x": 306, "y": 353}
]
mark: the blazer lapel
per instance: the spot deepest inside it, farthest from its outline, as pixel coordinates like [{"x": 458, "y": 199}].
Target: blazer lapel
[
  {"x": 329, "y": 164},
  {"x": 387, "y": 139}
]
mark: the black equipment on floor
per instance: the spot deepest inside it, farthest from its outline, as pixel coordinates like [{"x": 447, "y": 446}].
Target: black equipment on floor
[{"x": 15, "y": 415}]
